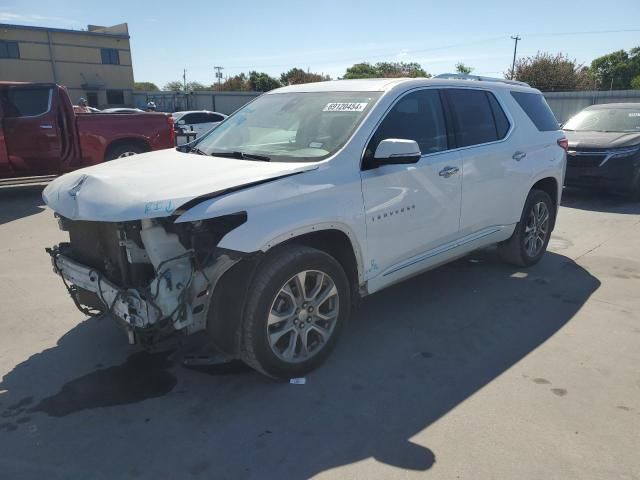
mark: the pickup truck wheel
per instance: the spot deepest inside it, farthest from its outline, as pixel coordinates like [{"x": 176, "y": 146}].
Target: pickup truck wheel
[
  {"x": 532, "y": 233},
  {"x": 293, "y": 318},
  {"x": 124, "y": 150}
]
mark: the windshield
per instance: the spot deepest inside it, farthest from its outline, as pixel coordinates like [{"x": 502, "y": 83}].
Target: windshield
[
  {"x": 606, "y": 120},
  {"x": 289, "y": 127}
]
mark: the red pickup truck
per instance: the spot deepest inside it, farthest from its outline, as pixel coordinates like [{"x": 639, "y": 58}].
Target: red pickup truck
[{"x": 40, "y": 135}]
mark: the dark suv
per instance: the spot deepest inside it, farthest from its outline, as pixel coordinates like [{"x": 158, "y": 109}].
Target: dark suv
[{"x": 604, "y": 148}]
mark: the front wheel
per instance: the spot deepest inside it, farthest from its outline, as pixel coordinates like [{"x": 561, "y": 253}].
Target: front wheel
[
  {"x": 298, "y": 302},
  {"x": 532, "y": 233}
]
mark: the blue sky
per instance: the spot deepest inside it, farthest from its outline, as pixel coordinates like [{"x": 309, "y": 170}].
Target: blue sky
[{"x": 330, "y": 35}]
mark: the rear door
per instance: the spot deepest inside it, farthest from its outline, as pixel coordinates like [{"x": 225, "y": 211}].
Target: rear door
[
  {"x": 489, "y": 173},
  {"x": 32, "y": 130}
]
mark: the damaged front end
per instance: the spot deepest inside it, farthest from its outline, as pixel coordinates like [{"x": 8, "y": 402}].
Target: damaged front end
[{"x": 153, "y": 275}]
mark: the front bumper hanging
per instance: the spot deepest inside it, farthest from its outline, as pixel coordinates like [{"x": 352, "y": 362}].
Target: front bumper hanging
[{"x": 144, "y": 320}]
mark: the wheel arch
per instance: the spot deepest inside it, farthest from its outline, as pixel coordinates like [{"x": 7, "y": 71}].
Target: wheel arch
[
  {"x": 230, "y": 294},
  {"x": 551, "y": 187}
]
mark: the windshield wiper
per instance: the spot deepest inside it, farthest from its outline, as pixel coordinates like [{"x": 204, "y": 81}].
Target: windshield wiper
[
  {"x": 242, "y": 156},
  {"x": 196, "y": 150}
]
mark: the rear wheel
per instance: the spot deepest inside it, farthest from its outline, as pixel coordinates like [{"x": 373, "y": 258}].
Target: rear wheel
[
  {"x": 300, "y": 299},
  {"x": 124, "y": 150},
  {"x": 532, "y": 233}
]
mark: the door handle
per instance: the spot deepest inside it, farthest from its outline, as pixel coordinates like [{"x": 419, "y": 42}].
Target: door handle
[
  {"x": 446, "y": 172},
  {"x": 518, "y": 156},
  {"x": 46, "y": 126}
]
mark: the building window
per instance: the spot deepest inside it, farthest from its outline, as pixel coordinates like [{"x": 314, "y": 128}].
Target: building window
[
  {"x": 110, "y": 56},
  {"x": 9, "y": 49},
  {"x": 115, "y": 97},
  {"x": 92, "y": 99}
]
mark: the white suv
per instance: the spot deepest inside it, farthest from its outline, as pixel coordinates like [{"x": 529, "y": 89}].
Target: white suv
[{"x": 269, "y": 229}]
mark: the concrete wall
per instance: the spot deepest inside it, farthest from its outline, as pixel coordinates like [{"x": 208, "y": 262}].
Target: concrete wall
[
  {"x": 71, "y": 58},
  {"x": 223, "y": 102},
  {"x": 567, "y": 104}
]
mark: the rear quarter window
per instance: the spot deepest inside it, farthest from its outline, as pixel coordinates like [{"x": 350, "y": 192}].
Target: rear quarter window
[{"x": 536, "y": 108}]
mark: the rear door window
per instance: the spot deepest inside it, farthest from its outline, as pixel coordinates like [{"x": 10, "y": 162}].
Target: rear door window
[
  {"x": 27, "y": 101},
  {"x": 536, "y": 108},
  {"x": 474, "y": 120},
  {"x": 502, "y": 122}
]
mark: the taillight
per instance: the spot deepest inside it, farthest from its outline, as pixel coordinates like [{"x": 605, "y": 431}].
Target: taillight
[
  {"x": 563, "y": 143},
  {"x": 172, "y": 132}
]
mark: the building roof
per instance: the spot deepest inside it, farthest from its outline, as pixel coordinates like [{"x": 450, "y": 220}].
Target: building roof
[{"x": 94, "y": 30}]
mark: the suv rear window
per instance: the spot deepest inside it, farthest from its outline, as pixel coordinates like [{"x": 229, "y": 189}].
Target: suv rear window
[{"x": 536, "y": 108}]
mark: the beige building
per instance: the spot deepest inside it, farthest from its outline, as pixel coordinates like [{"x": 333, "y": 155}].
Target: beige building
[{"x": 94, "y": 64}]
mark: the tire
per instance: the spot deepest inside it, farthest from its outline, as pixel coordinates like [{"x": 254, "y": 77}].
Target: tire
[
  {"x": 517, "y": 249},
  {"x": 273, "y": 319},
  {"x": 124, "y": 150}
]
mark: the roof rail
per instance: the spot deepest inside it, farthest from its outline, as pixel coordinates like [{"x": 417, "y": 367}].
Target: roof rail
[{"x": 464, "y": 76}]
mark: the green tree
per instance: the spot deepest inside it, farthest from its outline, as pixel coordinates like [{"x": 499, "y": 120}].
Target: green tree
[
  {"x": 298, "y": 75},
  {"x": 635, "y": 82},
  {"x": 262, "y": 82},
  {"x": 386, "y": 70},
  {"x": 236, "y": 83},
  {"x": 145, "y": 86},
  {"x": 400, "y": 69},
  {"x": 616, "y": 70},
  {"x": 547, "y": 72},
  {"x": 195, "y": 86},
  {"x": 361, "y": 70},
  {"x": 463, "y": 69},
  {"x": 174, "y": 86}
]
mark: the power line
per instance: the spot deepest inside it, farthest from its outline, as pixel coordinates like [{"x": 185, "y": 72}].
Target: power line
[{"x": 366, "y": 58}]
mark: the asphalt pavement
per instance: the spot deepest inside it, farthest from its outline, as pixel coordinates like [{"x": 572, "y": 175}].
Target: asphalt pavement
[{"x": 475, "y": 370}]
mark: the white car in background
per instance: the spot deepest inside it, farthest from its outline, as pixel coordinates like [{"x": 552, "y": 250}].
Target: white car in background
[
  {"x": 197, "y": 121},
  {"x": 122, "y": 110}
]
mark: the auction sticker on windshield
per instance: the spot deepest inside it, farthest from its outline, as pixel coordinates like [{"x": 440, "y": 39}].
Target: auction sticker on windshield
[{"x": 345, "y": 107}]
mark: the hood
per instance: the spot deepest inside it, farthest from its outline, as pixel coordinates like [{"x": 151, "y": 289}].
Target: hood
[
  {"x": 154, "y": 184},
  {"x": 601, "y": 140}
]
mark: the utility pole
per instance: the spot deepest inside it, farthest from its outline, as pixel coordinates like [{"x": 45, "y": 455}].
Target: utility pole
[
  {"x": 515, "y": 49},
  {"x": 218, "y": 74},
  {"x": 184, "y": 79}
]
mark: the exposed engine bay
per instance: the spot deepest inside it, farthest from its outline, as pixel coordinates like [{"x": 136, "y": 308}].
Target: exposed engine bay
[{"x": 155, "y": 276}]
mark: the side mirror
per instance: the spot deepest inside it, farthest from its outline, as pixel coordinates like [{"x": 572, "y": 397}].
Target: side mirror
[
  {"x": 180, "y": 122},
  {"x": 396, "y": 151}
]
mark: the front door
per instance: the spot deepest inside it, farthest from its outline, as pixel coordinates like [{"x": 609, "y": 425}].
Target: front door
[
  {"x": 32, "y": 131},
  {"x": 411, "y": 209}
]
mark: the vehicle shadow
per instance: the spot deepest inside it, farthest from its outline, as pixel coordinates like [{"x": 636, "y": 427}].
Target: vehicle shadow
[
  {"x": 411, "y": 354},
  {"x": 19, "y": 202},
  {"x": 599, "y": 201}
]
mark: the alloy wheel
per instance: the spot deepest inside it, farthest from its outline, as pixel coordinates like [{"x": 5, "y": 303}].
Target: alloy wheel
[
  {"x": 303, "y": 316},
  {"x": 537, "y": 229}
]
